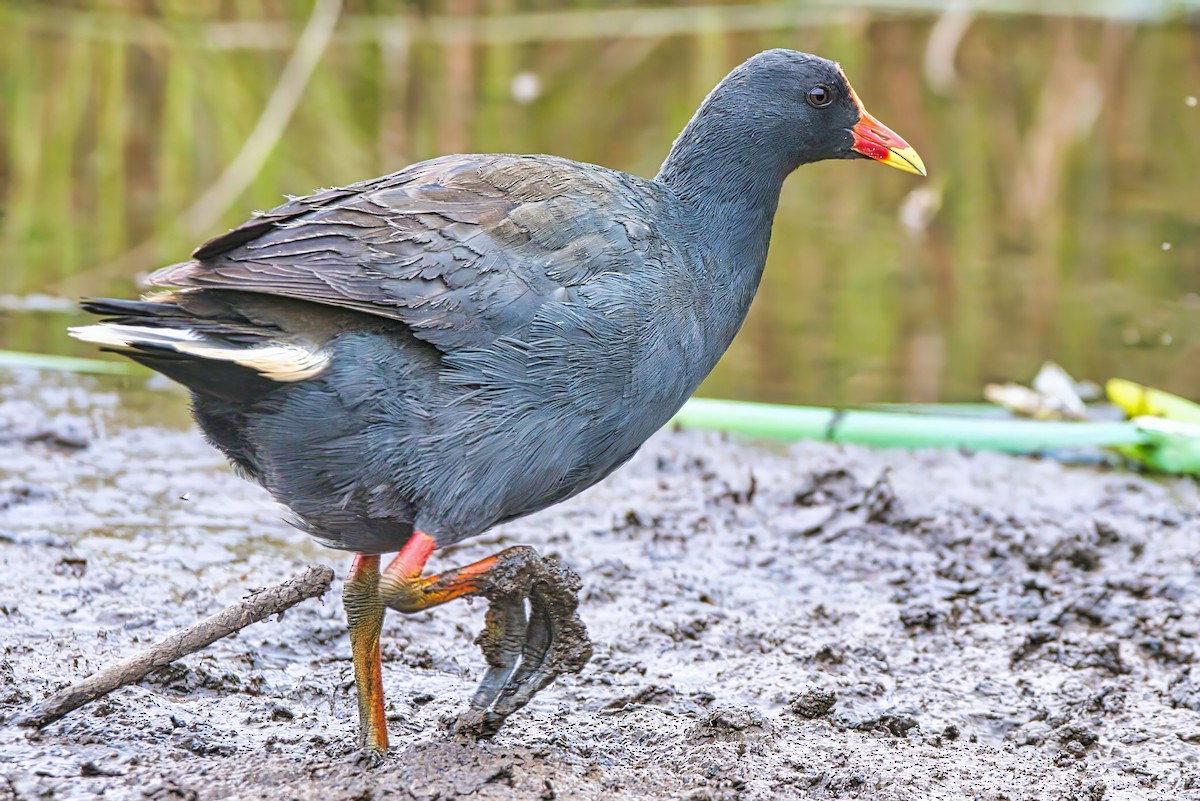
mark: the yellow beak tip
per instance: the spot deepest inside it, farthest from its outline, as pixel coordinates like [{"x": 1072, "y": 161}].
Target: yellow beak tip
[{"x": 906, "y": 159}]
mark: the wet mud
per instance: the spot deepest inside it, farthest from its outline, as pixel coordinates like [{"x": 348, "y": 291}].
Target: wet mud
[{"x": 768, "y": 623}]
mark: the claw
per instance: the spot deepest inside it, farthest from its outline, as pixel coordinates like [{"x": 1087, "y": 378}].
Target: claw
[
  {"x": 501, "y": 644},
  {"x": 369, "y": 757},
  {"x": 525, "y": 655}
]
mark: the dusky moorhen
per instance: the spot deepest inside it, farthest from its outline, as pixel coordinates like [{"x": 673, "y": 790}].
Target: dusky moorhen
[{"x": 409, "y": 360}]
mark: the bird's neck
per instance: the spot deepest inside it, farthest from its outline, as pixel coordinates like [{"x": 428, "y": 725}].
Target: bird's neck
[
  {"x": 730, "y": 181},
  {"x": 727, "y": 175}
]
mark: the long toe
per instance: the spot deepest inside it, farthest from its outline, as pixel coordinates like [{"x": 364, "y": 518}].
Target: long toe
[
  {"x": 502, "y": 641},
  {"x": 553, "y": 641},
  {"x": 524, "y": 654}
]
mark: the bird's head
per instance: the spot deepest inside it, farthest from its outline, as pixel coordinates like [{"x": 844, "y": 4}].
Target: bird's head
[{"x": 806, "y": 104}]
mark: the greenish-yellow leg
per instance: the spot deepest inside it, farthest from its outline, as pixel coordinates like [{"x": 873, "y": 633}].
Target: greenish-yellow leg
[{"x": 364, "y": 617}]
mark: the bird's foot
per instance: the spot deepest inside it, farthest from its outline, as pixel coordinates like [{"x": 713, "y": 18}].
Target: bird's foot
[
  {"x": 525, "y": 652},
  {"x": 370, "y": 756}
]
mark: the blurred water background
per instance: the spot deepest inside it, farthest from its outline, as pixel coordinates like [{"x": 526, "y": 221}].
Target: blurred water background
[{"x": 1061, "y": 218}]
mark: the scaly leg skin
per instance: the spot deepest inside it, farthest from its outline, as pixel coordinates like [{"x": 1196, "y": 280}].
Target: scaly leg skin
[
  {"x": 364, "y": 617},
  {"x": 523, "y": 655}
]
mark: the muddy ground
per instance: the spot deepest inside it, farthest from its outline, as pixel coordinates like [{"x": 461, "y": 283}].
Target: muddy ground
[{"x": 810, "y": 622}]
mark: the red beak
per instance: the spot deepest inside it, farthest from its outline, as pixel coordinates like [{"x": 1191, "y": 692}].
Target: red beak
[{"x": 876, "y": 141}]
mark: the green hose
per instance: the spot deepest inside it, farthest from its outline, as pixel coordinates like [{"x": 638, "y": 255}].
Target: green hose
[{"x": 1173, "y": 449}]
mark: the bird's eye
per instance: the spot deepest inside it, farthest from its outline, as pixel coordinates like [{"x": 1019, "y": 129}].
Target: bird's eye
[{"x": 820, "y": 96}]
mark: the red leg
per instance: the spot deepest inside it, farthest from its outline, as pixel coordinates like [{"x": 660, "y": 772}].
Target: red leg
[{"x": 402, "y": 588}]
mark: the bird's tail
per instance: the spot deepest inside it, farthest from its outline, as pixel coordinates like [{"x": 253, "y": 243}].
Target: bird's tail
[{"x": 203, "y": 344}]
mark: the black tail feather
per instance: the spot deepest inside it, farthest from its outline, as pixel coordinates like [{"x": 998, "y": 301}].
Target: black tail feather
[{"x": 224, "y": 381}]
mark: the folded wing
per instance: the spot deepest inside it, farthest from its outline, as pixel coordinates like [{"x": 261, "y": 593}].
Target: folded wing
[{"x": 462, "y": 249}]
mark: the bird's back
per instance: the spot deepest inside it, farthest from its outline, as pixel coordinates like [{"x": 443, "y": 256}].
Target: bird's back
[{"x": 494, "y": 335}]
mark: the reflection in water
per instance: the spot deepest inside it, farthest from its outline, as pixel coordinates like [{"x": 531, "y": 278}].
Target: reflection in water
[{"x": 1059, "y": 220}]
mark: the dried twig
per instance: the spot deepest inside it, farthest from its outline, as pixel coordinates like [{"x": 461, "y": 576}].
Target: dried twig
[{"x": 312, "y": 582}]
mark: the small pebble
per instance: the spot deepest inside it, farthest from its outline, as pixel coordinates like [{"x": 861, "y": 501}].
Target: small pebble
[{"x": 812, "y": 703}]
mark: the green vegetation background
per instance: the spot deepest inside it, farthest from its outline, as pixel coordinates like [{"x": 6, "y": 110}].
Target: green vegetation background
[{"x": 1061, "y": 218}]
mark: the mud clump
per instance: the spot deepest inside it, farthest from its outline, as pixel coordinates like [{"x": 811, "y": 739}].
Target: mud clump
[
  {"x": 768, "y": 623},
  {"x": 526, "y": 652},
  {"x": 736, "y": 723},
  {"x": 812, "y": 703},
  {"x": 1183, "y": 691}
]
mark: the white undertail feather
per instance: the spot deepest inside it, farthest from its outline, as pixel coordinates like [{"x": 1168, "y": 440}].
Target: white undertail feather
[{"x": 279, "y": 362}]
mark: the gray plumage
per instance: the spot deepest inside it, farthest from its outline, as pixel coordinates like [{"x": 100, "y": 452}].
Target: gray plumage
[{"x": 486, "y": 334}]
